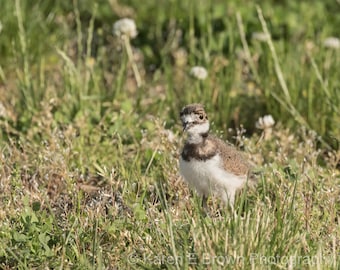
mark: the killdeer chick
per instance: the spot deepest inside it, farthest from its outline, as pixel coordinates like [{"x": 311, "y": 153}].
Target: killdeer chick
[{"x": 207, "y": 163}]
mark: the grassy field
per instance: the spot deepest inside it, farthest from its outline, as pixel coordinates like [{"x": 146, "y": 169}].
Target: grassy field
[{"x": 90, "y": 134}]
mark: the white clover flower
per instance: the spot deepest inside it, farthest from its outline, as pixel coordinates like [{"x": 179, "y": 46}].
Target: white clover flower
[
  {"x": 199, "y": 72},
  {"x": 260, "y": 36},
  {"x": 125, "y": 27},
  {"x": 265, "y": 122},
  {"x": 332, "y": 43}
]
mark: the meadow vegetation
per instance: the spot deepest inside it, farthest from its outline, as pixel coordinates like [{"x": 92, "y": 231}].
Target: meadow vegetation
[{"x": 89, "y": 155}]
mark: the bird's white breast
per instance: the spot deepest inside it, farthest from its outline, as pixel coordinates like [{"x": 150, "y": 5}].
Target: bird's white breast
[{"x": 209, "y": 176}]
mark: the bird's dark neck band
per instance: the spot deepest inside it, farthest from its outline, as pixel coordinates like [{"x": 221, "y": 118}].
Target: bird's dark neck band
[{"x": 204, "y": 135}]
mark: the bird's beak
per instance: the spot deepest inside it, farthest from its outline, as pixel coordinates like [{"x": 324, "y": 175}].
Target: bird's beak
[{"x": 185, "y": 125}]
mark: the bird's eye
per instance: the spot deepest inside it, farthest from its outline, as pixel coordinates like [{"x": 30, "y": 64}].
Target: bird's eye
[{"x": 201, "y": 116}]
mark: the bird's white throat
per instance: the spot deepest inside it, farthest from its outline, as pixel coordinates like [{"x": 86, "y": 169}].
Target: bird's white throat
[{"x": 195, "y": 132}]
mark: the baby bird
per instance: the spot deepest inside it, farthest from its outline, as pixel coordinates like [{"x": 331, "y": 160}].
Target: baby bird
[{"x": 207, "y": 163}]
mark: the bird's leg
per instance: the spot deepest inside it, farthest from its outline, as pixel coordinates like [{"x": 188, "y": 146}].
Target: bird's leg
[{"x": 204, "y": 202}]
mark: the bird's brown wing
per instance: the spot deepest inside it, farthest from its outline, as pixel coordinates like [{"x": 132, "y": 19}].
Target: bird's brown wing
[{"x": 233, "y": 160}]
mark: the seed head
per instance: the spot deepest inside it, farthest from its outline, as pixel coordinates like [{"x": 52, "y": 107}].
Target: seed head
[
  {"x": 332, "y": 43},
  {"x": 265, "y": 122},
  {"x": 125, "y": 27},
  {"x": 198, "y": 72}
]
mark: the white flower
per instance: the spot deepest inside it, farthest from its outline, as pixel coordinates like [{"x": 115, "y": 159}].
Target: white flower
[
  {"x": 1, "y": 27},
  {"x": 125, "y": 27},
  {"x": 265, "y": 122},
  {"x": 260, "y": 36},
  {"x": 198, "y": 72},
  {"x": 332, "y": 43}
]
